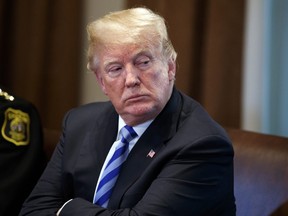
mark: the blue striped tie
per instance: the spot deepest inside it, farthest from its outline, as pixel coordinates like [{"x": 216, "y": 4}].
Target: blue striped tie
[{"x": 112, "y": 169}]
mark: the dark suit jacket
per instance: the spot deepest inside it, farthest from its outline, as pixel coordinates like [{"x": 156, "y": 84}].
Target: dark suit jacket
[{"x": 190, "y": 174}]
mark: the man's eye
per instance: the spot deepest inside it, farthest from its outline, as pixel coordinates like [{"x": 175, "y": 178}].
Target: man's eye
[
  {"x": 114, "y": 71},
  {"x": 143, "y": 63}
]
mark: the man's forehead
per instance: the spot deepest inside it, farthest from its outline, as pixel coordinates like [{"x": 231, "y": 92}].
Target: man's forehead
[{"x": 117, "y": 53}]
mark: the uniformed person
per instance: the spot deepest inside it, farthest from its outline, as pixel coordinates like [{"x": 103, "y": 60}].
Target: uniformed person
[{"x": 22, "y": 158}]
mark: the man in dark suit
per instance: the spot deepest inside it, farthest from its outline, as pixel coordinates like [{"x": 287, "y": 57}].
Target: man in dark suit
[{"x": 180, "y": 161}]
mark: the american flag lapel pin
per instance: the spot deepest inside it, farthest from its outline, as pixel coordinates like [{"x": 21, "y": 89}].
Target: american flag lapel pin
[{"x": 151, "y": 153}]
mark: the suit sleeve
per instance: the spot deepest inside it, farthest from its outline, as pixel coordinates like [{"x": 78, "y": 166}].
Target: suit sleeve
[
  {"x": 47, "y": 197},
  {"x": 198, "y": 180}
]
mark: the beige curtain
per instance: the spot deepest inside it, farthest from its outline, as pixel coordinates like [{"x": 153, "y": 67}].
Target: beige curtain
[
  {"x": 208, "y": 36},
  {"x": 40, "y": 54}
]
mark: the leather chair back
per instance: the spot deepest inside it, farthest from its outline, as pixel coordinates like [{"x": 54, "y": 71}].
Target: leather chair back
[{"x": 261, "y": 173}]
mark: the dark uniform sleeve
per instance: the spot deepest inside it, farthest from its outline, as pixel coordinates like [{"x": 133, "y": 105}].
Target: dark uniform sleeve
[{"x": 22, "y": 157}]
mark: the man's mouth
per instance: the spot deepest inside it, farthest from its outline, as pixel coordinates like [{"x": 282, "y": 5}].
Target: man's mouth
[{"x": 136, "y": 98}]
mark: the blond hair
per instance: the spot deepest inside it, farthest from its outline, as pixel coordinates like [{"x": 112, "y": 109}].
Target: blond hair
[{"x": 131, "y": 26}]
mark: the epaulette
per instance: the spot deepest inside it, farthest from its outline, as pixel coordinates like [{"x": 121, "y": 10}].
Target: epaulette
[{"x": 5, "y": 96}]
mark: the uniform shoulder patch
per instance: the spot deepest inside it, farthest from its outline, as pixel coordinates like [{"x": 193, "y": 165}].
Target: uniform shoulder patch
[{"x": 16, "y": 127}]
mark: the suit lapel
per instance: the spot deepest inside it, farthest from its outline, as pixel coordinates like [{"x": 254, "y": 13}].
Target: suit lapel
[
  {"x": 95, "y": 147},
  {"x": 153, "y": 139}
]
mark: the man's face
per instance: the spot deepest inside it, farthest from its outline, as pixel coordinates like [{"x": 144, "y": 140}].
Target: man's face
[{"x": 137, "y": 80}]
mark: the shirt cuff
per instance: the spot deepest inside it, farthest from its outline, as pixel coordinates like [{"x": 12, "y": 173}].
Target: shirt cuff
[{"x": 58, "y": 212}]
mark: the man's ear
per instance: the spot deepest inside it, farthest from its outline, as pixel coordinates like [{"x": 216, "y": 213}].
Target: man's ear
[
  {"x": 100, "y": 81},
  {"x": 171, "y": 69}
]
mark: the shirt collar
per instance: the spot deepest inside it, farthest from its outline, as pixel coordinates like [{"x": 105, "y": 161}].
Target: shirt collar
[{"x": 139, "y": 129}]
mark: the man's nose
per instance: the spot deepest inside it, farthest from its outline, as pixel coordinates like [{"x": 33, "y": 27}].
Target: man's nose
[{"x": 132, "y": 76}]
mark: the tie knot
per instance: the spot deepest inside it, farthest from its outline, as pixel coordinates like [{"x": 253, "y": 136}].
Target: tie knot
[{"x": 128, "y": 133}]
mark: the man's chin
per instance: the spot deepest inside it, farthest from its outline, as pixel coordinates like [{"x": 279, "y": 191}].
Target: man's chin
[
  {"x": 137, "y": 114},
  {"x": 140, "y": 110}
]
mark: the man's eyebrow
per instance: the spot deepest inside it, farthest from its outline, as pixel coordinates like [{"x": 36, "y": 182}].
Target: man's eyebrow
[
  {"x": 110, "y": 62},
  {"x": 144, "y": 53}
]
